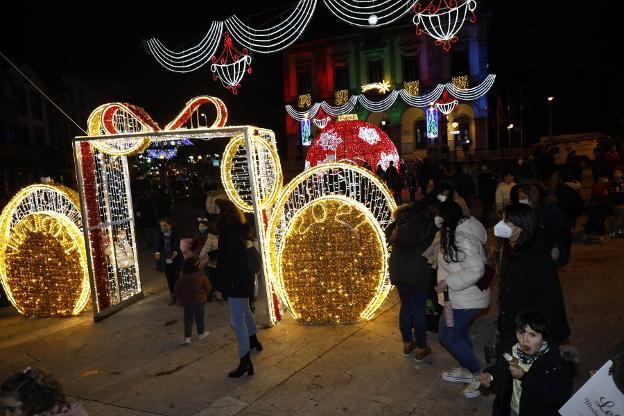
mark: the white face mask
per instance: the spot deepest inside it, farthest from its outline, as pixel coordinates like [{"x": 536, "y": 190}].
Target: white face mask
[
  {"x": 524, "y": 201},
  {"x": 441, "y": 197},
  {"x": 501, "y": 229},
  {"x": 438, "y": 221}
]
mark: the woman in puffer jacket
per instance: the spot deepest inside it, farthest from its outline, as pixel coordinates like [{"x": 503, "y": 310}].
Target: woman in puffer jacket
[{"x": 461, "y": 263}]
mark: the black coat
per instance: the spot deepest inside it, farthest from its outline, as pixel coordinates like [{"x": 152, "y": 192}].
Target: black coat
[
  {"x": 406, "y": 263},
  {"x": 233, "y": 271},
  {"x": 546, "y": 386},
  {"x": 175, "y": 246},
  {"x": 530, "y": 281}
]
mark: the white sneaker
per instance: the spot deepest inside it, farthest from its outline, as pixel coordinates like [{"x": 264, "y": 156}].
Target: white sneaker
[
  {"x": 458, "y": 375},
  {"x": 185, "y": 341},
  {"x": 203, "y": 335},
  {"x": 472, "y": 390}
]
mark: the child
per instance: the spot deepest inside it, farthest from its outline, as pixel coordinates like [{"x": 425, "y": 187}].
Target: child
[
  {"x": 536, "y": 380},
  {"x": 34, "y": 392},
  {"x": 207, "y": 258},
  {"x": 192, "y": 291},
  {"x": 166, "y": 253}
]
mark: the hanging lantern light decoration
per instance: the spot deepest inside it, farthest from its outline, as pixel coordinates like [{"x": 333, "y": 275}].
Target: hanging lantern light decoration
[
  {"x": 443, "y": 19},
  {"x": 230, "y": 67},
  {"x": 446, "y": 104}
]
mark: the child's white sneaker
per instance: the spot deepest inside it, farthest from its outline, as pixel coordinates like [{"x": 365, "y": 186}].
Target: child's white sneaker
[
  {"x": 203, "y": 335},
  {"x": 185, "y": 341},
  {"x": 458, "y": 375},
  {"x": 472, "y": 390}
]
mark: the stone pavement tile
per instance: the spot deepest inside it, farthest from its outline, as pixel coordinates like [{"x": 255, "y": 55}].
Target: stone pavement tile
[
  {"x": 224, "y": 406},
  {"x": 95, "y": 408}
]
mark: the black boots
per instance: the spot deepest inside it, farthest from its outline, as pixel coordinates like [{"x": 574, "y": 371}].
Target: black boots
[
  {"x": 244, "y": 366},
  {"x": 254, "y": 343}
]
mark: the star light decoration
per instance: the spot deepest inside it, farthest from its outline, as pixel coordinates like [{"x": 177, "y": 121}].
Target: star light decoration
[
  {"x": 43, "y": 262},
  {"x": 381, "y": 87}
]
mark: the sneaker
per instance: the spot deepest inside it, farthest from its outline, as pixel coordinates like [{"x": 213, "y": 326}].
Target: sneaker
[
  {"x": 408, "y": 347},
  {"x": 185, "y": 341},
  {"x": 203, "y": 335},
  {"x": 458, "y": 375},
  {"x": 421, "y": 354},
  {"x": 472, "y": 390}
]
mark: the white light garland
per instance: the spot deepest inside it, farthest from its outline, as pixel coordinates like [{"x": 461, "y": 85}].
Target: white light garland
[
  {"x": 231, "y": 74},
  {"x": 277, "y": 37},
  {"x": 413, "y": 101},
  {"x": 369, "y": 13}
]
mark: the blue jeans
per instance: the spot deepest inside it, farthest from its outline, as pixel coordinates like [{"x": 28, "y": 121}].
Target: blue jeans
[
  {"x": 243, "y": 322},
  {"x": 457, "y": 338},
  {"x": 412, "y": 313}
]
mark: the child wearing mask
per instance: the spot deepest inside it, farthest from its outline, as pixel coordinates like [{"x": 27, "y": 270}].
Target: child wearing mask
[
  {"x": 191, "y": 291},
  {"x": 532, "y": 379},
  {"x": 166, "y": 253}
]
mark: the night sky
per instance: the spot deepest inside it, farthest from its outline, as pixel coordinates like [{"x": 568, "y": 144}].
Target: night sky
[{"x": 537, "y": 49}]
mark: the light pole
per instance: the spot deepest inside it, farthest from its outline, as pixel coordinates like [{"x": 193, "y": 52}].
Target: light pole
[
  {"x": 550, "y": 100},
  {"x": 205, "y": 119},
  {"x": 509, "y": 129}
]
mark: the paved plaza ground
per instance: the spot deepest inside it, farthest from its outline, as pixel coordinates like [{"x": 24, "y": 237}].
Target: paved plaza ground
[{"x": 132, "y": 364}]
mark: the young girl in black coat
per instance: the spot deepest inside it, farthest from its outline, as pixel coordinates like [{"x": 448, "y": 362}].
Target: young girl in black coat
[{"x": 532, "y": 379}]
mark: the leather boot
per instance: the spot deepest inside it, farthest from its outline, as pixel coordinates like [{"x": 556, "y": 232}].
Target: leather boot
[
  {"x": 244, "y": 366},
  {"x": 254, "y": 343}
]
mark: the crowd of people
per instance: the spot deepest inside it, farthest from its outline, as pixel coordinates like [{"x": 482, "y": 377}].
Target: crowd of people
[{"x": 438, "y": 256}]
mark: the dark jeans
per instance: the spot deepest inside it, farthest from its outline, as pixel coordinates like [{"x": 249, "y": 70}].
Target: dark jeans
[
  {"x": 171, "y": 273},
  {"x": 412, "y": 313},
  {"x": 457, "y": 340},
  {"x": 193, "y": 313}
]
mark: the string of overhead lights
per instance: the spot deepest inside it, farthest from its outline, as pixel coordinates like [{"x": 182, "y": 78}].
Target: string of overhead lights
[
  {"x": 442, "y": 26},
  {"x": 369, "y": 13},
  {"x": 413, "y": 101}
]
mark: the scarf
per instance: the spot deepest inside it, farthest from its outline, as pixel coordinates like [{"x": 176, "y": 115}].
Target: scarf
[{"x": 530, "y": 359}]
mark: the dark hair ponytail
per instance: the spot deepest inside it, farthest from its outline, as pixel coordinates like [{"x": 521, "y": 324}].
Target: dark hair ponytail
[{"x": 451, "y": 213}]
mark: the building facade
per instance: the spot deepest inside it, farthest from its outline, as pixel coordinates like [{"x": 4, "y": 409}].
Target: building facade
[{"x": 334, "y": 69}]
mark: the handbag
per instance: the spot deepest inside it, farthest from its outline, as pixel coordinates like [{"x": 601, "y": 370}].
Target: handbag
[{"x": 488, "y": 274}]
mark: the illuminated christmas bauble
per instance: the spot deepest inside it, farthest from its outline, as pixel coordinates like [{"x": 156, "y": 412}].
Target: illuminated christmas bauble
[
  {"x": 43, "y": 263},
  {"x": 327, "y": 252},
  {"x": 332, "y": 261},
  {"x": 356, "y": 141}
]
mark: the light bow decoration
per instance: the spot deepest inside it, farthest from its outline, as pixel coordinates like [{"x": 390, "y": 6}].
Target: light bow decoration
[
  {"x": 43, "y": 261},
  {"x": 230, "y": 67},
  {"x": 443, "y": 19},
  {"x": 120, "y": 118}
]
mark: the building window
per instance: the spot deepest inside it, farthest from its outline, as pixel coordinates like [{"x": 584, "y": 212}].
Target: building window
[
  {"x": 304, "y": 80},
  {"x": 375, "y": 71},
  {"x": 411, "y": 68},
  {"x": 341, "y": 77},
  {"x": 20, "y": 100},
  {"x": 459, "y": 63},
  {"x": 420, "y": 134}
]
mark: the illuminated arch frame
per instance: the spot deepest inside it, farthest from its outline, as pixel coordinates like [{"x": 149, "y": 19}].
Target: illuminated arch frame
[
  {"x": 260, "y": 214},
  {"x": 280, "y": 220}
]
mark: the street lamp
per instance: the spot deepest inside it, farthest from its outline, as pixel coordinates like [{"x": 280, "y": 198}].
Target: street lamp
[
  {"x": 550, "y": 100},
  {"x": 205, "y": 119},
  {"x": 509, "y": 129},
  {"x": 455, "y": 134}
]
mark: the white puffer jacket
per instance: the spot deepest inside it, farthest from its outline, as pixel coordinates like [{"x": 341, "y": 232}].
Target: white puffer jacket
[{"x": 470, "y": 236}]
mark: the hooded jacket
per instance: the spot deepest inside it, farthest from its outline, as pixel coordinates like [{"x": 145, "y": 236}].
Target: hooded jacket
[{"x": 461, "y": 277}]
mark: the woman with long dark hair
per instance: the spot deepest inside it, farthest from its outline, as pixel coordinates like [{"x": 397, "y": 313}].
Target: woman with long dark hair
[
  {"x": 238, "y": 281},
  {"x": 410, "y": 234},
  {"x": 528, "y": 277},
  {"x": 461, "y": 263}
]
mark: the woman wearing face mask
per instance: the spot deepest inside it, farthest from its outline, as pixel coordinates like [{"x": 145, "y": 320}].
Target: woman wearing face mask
[
  {"x": 461, "y": 263},
  {"x": 528, "y": 277},
  {"x": 166, "y": 253},
  {"x": 446, "y": 192}
]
